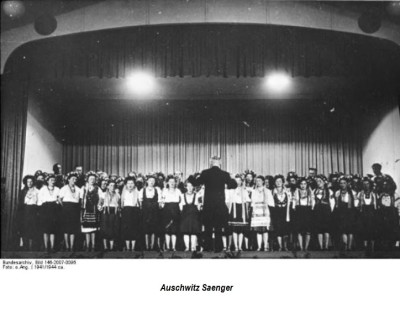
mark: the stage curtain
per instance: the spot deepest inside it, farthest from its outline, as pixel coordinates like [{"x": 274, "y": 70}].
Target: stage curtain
[
  {"x": 239, "y": 50},
  {"x": 268, "y": 139},
  {"x": 14, "y": 101}
]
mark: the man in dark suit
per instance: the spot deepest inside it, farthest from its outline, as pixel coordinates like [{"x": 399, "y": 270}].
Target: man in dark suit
[
  {"x": 215, "y": 212},
  {"x": 81, "y": 177}
]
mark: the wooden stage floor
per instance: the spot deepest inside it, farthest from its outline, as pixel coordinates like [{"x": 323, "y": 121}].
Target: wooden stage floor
[{"x": 199, "y": 255}]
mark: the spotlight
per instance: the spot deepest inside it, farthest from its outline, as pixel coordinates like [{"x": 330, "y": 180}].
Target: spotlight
[
  {"x": 13, "y": 9},
  {"x": 278, "y": 82},
  {"x": 140, "y": 83}
]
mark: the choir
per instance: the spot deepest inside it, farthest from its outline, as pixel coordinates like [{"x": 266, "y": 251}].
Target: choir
[{"x": 97, "y": 211}]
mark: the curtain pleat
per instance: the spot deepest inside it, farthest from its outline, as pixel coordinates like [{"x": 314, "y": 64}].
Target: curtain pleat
[{"x": 268, "y": 139}]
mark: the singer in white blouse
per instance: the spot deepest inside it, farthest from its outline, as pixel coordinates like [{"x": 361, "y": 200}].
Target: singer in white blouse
[
  {"x": 190, "y": 225},
  {"x": 28, "y": 211},
  {"x": 171, "y": 199},
  {"x": 71, "y": 210},
  {"x": 368, "y": 214},
  {"x": 110, "y": 216},
  {"x": 49, "y": 200},
  {"x": 302, "y": 214},
  {"x": 239, "y": 219},
  {"x": 281, "y": 217},
  {"x": 345, "y": 213},
  {"x": 130, "y": 214},
  {"x": 150, "y": 197},
  {"x": 261, "y": 201}
]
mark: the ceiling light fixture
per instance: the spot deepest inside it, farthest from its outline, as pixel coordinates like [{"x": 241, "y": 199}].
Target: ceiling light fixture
[{"x": 278, "y": 82}]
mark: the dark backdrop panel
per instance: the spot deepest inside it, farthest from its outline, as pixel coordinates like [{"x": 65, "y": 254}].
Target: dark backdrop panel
[
  {"x": 268, "y": 137},
  {"x": 14, "y": 102}
]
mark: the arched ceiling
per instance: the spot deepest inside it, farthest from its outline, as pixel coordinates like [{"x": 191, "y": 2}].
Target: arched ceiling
[{"x": 81, "y": 16}]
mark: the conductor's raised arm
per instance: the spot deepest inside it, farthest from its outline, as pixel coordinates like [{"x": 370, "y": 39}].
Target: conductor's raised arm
[
  {"x": 230, "y": 182},
  {"x": 200, "y": 180}
]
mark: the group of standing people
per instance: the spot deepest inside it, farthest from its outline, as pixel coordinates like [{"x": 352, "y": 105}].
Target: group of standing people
[{"x": 211, "y": 210}]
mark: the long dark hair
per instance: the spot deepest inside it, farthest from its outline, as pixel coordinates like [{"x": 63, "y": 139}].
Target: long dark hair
[
  {"x": 349, "y": 191},
  {"x": 325, "y": 196}
]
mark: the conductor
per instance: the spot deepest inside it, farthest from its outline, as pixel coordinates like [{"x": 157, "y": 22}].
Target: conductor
[{"x": 215, "y": 212}]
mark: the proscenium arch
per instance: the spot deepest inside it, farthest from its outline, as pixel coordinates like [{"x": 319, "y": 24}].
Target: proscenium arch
[
  {"x": 125, "y": 13},
  {"x": 213, "y": 49}
]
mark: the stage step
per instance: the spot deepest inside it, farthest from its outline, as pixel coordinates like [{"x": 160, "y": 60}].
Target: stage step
[{"x": 198, "y": 255}]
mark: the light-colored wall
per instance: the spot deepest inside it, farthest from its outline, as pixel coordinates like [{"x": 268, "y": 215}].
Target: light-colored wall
[
  {"x": 123, "y": 13},
  {"x": 382, "y": 142},
  {"x": 42, "y": 149}
]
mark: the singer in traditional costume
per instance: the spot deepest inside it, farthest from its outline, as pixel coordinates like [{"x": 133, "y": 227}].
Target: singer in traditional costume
[
  {"x": 368, "y": 218},
  {"x": 322, "y": 212},
  {"x": 49, "y": 200},
  {"x": 345, "y": 213},
  {"x": 302, "y": 214},
  {"x": 171, "y": 200},
  {"x": 150, "y": 198},
  {"x": 281, "y": 217},
  {"x": 90, "y": 202},
  {"x": 239, "y": 220},
  {"x": 261, "y": 200},
  {"x": 190, "y": 225},
  {"x": 110, "y": 216},
  {"x": 28, "y": 212},
  {"x": 131, "y": 217},
  {"x": 71, "y": 210}
]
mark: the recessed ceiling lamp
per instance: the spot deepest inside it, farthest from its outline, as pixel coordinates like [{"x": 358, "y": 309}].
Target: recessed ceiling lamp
[
  {"x": 140, "y": 83},
  {"x": 278, "y": 82}
]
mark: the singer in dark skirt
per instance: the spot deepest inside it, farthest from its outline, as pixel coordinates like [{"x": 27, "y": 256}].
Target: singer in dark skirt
[
  {"x": 388, "y": 218},
  {"x": 345, "y": 217},
  {"x": 71, "y": 210},
  {"x": 190, "y": 225},
  {"x": 150, "y": 212},
  {"x": 130, "y": 223},
  {"x": 190, "y": 218},
  {"x": 90, "y": 201},
  {"x": 131, "y": 219},
  {"x": 171, "y": 218},
  {"x": 50, "y": 214},
  {"x": 322, "y": 216},
  {"x": 322, "y": 221},
  {"x": 50, "y": 211},
  {"x": 30, "y": 221},
  {"x": 367, "y": 217},
  {"x": 280, "y": 222},
  {"x": 110, "y": 216},
  {"x": 171, "y": 199},
  {"x": 71, "y": 213},
  {"x": 149, "y": 198},
  {"x": 345, "y": 213},
  {"x": 109, "y": 225},
  {"x": 302, "y": 215},
  {"x": 27, "y": 215},
  {"x": 302, "y": 219}
]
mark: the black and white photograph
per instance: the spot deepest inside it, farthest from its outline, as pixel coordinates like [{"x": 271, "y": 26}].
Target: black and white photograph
[{"x": 152, "y": 131}]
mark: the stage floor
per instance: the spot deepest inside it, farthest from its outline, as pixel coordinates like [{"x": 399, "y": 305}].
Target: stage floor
[{"x": 199, "y": 255}]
